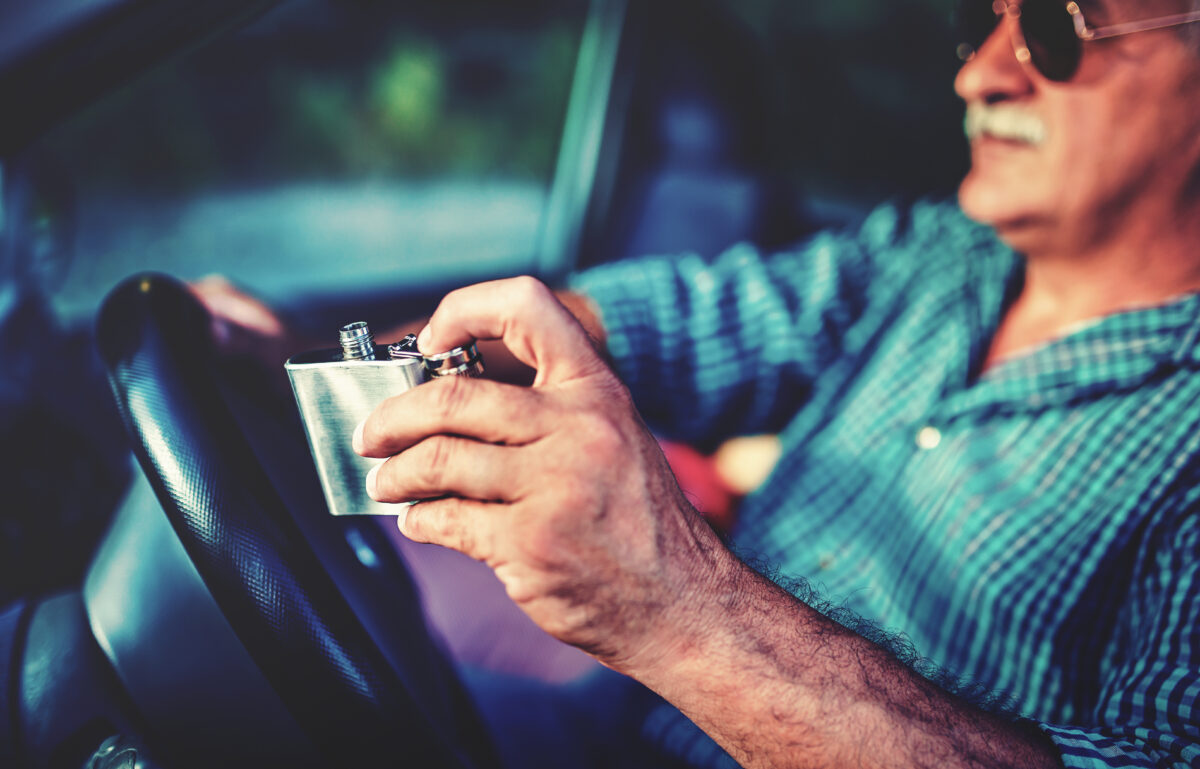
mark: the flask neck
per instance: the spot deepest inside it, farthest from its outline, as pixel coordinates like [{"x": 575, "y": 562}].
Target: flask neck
[{"x": 357, "y": 341}]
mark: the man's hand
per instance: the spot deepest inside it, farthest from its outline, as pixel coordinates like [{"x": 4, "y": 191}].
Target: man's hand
[
  {"x": 241, "y": 324},
  {"x": 558, "y": 487}
]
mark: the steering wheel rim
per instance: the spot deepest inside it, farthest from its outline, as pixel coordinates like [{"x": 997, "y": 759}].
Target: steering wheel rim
[{"x": 262, "y": 572}]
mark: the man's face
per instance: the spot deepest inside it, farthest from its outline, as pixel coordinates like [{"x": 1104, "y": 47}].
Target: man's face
[{"x": 1056, "y": 165}]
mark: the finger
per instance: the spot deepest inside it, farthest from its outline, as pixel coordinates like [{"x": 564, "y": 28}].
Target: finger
[
  {"x": 226, "y": 301},
  {"x": 476, "y": 408},
  {"x": 526, "y": 316},
  {"x": 465, "y": 525},
  {"x": 446, "y": 465}
]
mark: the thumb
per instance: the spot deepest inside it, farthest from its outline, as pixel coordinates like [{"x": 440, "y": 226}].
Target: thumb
[{"x": 526, "y": 316}]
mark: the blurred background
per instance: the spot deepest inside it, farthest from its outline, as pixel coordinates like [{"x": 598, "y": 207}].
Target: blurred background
[{"x": 363, "y": 156}]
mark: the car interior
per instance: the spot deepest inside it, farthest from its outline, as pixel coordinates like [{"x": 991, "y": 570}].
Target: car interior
[{"x": 173, "y": 590}]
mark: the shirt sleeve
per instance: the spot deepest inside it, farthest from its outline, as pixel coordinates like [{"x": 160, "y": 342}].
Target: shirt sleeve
[
  {"x": 712, "y": 348},
  {"x": 1146, "y": 714}
]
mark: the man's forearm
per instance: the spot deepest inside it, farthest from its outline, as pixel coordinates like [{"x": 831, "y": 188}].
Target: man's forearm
[{"x": 779, "y": 685}]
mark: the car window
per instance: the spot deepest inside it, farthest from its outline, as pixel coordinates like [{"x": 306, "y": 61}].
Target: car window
[
  {"x": 330, "y": 146},
  {"x": 334, "y": 147}
]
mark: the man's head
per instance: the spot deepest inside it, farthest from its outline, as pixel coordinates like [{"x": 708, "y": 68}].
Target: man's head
[{"x": 1060, "y": 164}]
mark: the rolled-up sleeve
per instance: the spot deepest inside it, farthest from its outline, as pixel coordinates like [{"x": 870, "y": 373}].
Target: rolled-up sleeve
[{"x": 715, "y": 347}]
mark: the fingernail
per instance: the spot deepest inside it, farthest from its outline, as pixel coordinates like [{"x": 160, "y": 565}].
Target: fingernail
[
  {"x": 423, "y": 339},
  {"x": 356, "y": 440},
  {"x": 402, "y": 515},
  {"x": 374, "y": 471}
]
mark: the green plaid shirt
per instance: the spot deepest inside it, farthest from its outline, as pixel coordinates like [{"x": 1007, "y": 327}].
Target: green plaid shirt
[{"x": 1032, "y": 528}]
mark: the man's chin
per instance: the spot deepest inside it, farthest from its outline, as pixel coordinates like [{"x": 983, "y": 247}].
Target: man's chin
[
  {"x": 983, "y": 202},
  {"x": 1016, "y": 223}
]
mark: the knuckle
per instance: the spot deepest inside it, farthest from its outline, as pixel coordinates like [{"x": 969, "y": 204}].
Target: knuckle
[
  {"x": 449, "y": 395},
  {"x": 444, "y": 522},
  {"x": 451, "y": 303},
  {"x": 547, "y": 550},
  {"x": 461, "y": 538},
  {"x": 529, "y": 289},
  {"x": 600, "y": 434},
  {"x": 612, "y": 392},
  {"x": 426, "y": 522},
  {"x": 576, "y": 501},
  {"x": 416, "y": 524},
  {"x": 436, "y": 456}
]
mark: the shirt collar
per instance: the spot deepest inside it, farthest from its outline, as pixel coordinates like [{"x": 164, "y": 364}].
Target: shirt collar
[{"x": 1116, "y": 352}]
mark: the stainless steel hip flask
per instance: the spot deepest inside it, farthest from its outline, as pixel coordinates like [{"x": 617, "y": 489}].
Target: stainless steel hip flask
[{"x": 338, "y": 388}]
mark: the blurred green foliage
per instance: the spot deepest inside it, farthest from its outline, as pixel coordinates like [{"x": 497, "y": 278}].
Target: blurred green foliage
[
  {"x": 333, "y": 89},
  {"x": 408, "y": 95}
]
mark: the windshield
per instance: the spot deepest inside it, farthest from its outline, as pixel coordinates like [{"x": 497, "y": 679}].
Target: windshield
[
  {"x": 336, "y": 148},
  {"x": 332, "y": 145}
]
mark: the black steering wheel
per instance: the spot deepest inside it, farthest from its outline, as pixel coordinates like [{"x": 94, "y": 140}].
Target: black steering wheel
[{"x": 361, "y": 699}]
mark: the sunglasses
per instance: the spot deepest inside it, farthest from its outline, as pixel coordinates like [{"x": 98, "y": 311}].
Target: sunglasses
[{"x": 1049, "y": 34}]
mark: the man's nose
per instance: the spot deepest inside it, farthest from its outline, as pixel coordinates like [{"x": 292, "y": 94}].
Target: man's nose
[{"x": 995, "y": 72}]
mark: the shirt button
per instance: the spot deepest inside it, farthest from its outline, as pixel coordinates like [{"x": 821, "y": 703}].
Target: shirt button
[{"x": 928, "y": 437}]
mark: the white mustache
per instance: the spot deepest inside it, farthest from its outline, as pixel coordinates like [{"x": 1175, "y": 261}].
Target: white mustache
[{"x": 1003, "y": 122}]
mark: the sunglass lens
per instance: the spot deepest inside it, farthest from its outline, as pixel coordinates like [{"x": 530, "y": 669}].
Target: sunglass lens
[{"x": 1050, "y": 34}]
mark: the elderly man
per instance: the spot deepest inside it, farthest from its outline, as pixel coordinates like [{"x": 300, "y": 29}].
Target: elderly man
[{"x": 996, "y": 455}]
